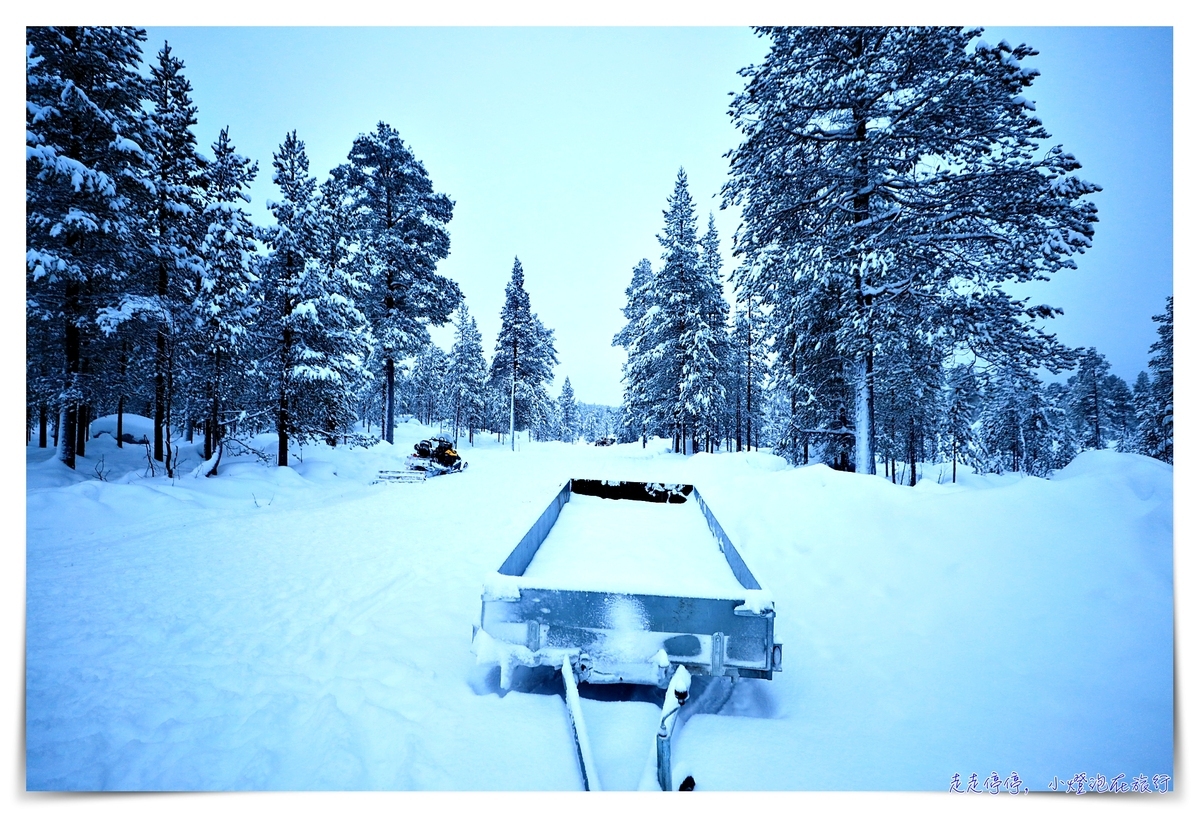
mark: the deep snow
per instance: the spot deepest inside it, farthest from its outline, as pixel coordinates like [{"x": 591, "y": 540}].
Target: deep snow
[
  {"x": 299, "y": 628},
  {"x": 633, "y": 548}
]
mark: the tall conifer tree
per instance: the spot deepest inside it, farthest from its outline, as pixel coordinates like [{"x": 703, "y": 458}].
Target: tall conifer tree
[
  {"x": 886, "y": 165},
  {"x": 228, "y": 298},
  {"x": 640, "y": 403},
  {"x": 1158, "y": 424},
  {"x": 401, "y": 228},
  {"x": 86, "y": 150},
  {"x": 175, "y": 229},
  {"x": 292, "y": 246},
  {"x": 468, "y": 375},
  {"x": 524, "y": 358},
  {"x": 568, "y": 413}
]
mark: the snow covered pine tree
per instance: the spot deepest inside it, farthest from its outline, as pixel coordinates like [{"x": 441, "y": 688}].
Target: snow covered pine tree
[
  {"x": 176, "y": 230},
  {"x": 568, "y": 413},
  {"x": 401, "y": 229},
  {"x": 1156, "y": 423},
  {"x": 316, "y": 339},
  {"x": 637, "y": 337},
  {"x": 883, "y": 165},
  {"x": 85, "y": 150},
  {"x": 228, "y": 299},
  {"x": 524, "y": 358},
  {"x": 468, "y": 375}
]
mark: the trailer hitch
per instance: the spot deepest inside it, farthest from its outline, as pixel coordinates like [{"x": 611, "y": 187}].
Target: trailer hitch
[
  {"x": 681, "y": 683},
  {"x": 583, "y": 748}
]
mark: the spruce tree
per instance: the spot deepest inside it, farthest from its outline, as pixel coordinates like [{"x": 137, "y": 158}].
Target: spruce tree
[
  {"x": 1000, "y": 442},
  {"x": 86, "y": 149},
  {"x": 639, "y": 402},
  {"x": 401, "y": 229},
  {"x": 429, "y": 385},
  {"x": 524, "y": 358},
  {"x": 677, "y": 286},
  {"x": 884, "y": 166},
  {"x": 1123, "y": 416},
  {"x": 227, "y": 301},
  {"x": 467, "y": 376},
  {"x": 569, "y": 413},
  {"x": 336, "y": 335},
  {"x": 1065, "y": 443},
  {"x": 909, "y": 395},
  {"x": 748, "y": 349},
  {"x": 175, "y": 229},
  {"x": 705, "y": 342},
  {"x": 291, "y": 241},
  {"x": 1092, "y": 403},
  {"x": 1157, "y": 422},
  {"x": 1142, "y": 411},
  {"x": 961, "y": 404}
]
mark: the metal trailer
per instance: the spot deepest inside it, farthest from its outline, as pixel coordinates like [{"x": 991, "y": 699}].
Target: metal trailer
[{"x": 523, "y": 622}]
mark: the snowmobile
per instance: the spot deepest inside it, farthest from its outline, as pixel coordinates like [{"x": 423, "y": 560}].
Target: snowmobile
[
  {"x": 430, "y": 458},
  {"x": 435, "y": 456}
]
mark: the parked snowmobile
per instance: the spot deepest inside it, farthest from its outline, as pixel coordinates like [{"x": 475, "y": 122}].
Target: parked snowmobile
[
  {"x": 430, "y": 458},
  {"x": 435, "y": 456}
]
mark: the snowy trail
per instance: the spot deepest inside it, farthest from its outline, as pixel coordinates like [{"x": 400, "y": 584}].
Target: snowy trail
[{"x": 183, "y": 638}]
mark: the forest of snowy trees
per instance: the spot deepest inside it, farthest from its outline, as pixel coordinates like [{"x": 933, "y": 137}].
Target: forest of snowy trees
[
  {"x": 892, "y": 182},
  {"x": 150, "y": 291}
]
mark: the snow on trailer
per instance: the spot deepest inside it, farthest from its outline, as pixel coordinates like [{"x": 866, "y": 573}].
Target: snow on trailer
[{"x": 627, "y": 582}]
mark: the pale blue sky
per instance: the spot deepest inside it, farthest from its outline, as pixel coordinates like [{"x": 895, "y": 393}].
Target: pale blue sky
[{"x": 560, "y": 146}]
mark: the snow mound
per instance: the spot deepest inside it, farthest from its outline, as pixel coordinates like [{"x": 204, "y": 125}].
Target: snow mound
[
  {"x": 1149, "y": 481},
  {"x": 136, "y": 425}
]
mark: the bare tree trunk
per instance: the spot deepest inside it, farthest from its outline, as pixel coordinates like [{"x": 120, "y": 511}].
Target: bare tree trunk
[
  {"x": 167, "y": 418},
  {"x": 281, "y": 425},
  {"x": 912, "y": 454},
  {"x": 83, "y": 420},
  {"x": 389, "y": 430},
  {"x": 211, "y": 438},
  {"x": 749, "y": 365},
  {"x": 160, "y": 388},
  {"x": 864, "y": 416},
  {"x": 65, "y": 434},
  {"x": 512, "y": 401},
  {"x": 212, "y": 432},
  {"x": 42, "y": 421},
  {"x": 65, "y": 442},
  {"x": 282, "y": 421}
]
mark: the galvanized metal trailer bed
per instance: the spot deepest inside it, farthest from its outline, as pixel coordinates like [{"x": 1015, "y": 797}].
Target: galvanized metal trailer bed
[{"x": 527, "y": 622}]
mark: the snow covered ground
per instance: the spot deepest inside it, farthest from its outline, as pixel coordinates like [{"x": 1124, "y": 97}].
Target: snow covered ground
[{"x": 300, "y": 628}]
